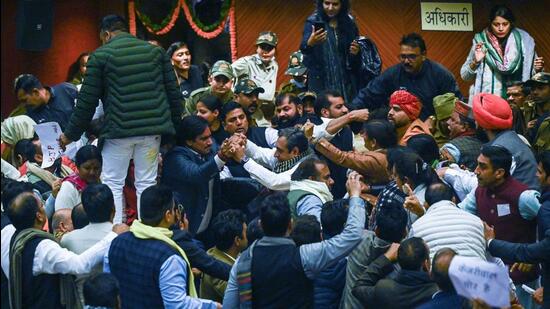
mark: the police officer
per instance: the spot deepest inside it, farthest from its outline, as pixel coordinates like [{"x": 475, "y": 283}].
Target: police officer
[
  {"x": 262, "y": 68},
  {"x": 221, "y": 82},
  {"x": 297, "y": 71}
]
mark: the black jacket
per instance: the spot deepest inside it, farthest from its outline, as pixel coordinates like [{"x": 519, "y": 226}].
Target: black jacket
[
  {"x": 408, "y": 290},
  {"x": 188, "y": 174},
  {"x": 198, "y": 257},
  {"x": 432, "y": 80}
]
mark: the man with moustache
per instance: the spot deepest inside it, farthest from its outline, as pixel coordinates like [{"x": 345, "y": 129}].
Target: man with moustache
[
  {"x": 192, "y": 171},
  {"x": 404, "y": 112},
  {"x": 508, "y": 205},
  {"x": 522, "y": 109},
  {"x": 416, "y": 73},
  {"x": 246, "y": 94}
]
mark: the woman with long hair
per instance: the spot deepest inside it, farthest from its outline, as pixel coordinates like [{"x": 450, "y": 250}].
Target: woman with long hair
[
  {"x": 208, "y": 108},
  {"x": 501, "y": 54},
  {"x": 77, "y": 69},
  {"x": 413, "y": 176},
  {"x": 331, "y": 52}
]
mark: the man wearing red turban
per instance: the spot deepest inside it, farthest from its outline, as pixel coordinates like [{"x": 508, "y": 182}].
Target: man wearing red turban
[
  {"x": 494, "y": 115},
  {"x": 404, "y": 111}
]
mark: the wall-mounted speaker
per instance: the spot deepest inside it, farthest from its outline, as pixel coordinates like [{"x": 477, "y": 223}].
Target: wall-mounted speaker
[{"x": 34, "y": 23}]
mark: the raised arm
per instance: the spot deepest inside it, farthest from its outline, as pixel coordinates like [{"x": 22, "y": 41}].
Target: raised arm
[
  {"x": 88, "y": 98},
  {"x": 267, "y": 178},
  {"x": 363, "y": 163},
  {"x": 50, "y": 258},
  {"x": 264, "y": 156},
  {"x": 316, "y": 257}
]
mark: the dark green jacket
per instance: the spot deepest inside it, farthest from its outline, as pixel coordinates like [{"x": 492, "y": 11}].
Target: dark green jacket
[{"x": 138, "y": 88}]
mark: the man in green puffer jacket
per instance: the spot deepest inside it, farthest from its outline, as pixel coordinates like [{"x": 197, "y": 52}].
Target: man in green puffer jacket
[{"x": 136, "y": 83}]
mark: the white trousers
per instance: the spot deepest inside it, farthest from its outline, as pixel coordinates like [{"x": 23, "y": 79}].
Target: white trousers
[{"x": 116, "y": 159}]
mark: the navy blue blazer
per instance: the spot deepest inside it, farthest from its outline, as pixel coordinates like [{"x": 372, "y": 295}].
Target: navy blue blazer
[{"x": 187, "y": 173}]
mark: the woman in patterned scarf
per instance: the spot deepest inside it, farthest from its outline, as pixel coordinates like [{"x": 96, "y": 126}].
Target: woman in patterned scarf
[{"x": 501, "y": 54}]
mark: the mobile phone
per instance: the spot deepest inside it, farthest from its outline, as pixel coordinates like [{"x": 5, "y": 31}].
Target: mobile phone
[
  {"x": 360, "y": 38},
  {"x": 319, "y": 25},
  {"x": 527, "y": 289}
]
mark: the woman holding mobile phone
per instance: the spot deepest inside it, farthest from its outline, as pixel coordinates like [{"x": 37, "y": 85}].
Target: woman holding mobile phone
[{"x": 328, "y": 45}]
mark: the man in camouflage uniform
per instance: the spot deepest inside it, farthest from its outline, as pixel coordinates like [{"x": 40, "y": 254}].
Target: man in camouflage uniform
[
  {"x": 540, "y": 127},
  {"x": 220, "y": 80},
  {"x": 262, "y": 68},
  {"x": 297, "y": 71},
  {"x": 246, "y": 94}
]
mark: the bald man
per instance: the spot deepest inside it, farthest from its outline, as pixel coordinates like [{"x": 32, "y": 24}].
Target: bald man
[
  {"x": 36, "y": 259},
  {"x": 446, "y": 297},
  {"x": 62, "y": 222}
]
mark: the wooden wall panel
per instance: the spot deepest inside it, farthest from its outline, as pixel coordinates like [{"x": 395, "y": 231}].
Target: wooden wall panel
[{"x": 385, "y": 22}]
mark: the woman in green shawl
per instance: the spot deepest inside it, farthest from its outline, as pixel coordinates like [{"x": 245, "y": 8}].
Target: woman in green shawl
[{"x": 501, "y": 54}]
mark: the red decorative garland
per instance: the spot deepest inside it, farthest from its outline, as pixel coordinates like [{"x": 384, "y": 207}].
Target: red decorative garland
[
  {"x": 182, "y": 4},
  {"x": 169, "y": 26},
  {"x": 233, "y": 32},
  {"x": 132, "y": 17}
]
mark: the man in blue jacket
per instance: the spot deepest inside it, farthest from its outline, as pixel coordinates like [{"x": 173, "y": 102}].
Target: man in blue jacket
[{"x": 192, "y": 170}]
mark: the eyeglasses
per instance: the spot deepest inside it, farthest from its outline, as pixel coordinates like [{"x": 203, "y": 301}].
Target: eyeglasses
[{"x": 411, "y": 57}]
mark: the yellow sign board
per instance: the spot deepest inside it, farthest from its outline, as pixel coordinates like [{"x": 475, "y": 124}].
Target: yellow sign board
[{"x": 442, "y": 16}]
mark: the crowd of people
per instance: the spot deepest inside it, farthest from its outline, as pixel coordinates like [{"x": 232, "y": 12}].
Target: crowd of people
[{"x": 345, "y": 187}]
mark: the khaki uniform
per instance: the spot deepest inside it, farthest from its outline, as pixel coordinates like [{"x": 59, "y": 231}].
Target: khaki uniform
[
  {"x": 213, "y": 288},
  {"x": 264, "y": 76},
  {"x": 542, "y": 138},
  {"x": 190, "y": 107},
  {"x": 290, "y": 87}
]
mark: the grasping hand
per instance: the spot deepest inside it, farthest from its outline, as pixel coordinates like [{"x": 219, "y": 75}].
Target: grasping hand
[
  {"x": 238, "y": 138},
  {"x": 538, "y": 295},
  {"x": 488, "y": 232},
  {"x": 317, "y": 36},
  {"x": 120, "y": 228},
  {"x": 391, "y": 254},
  {"x": 523, "y": 267},
  {"x": 538, "y": 64},
  {"x": 56, "y": 185},
  {"x": 225, "y": 150},
  {"x": 64, "y": 141},
  {"x": 354, "y": 184},
  {"x": 412, "y": 203},
  {"x": 308, "y": 130},
  {"x": 237, "y": 152},
  {"x": 359, "y": 115}
]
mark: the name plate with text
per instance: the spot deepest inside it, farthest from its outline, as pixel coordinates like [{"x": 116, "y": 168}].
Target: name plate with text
[{"x": 441, "y": 16}]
